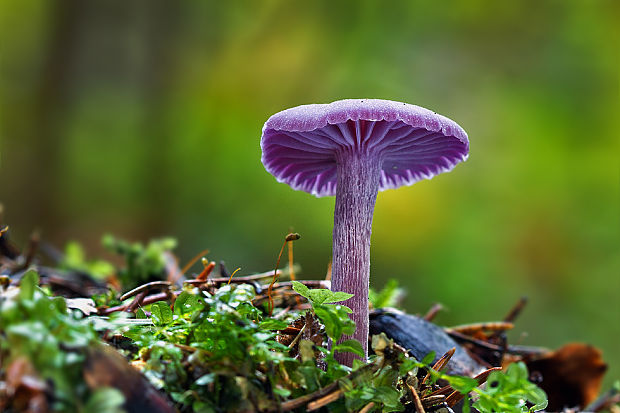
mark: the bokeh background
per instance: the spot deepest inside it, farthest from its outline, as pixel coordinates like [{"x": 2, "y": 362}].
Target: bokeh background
[{"x": 143, "y": 119}]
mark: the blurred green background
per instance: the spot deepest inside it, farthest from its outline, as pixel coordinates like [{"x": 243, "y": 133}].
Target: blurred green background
[{"x": 143, "y": 119}]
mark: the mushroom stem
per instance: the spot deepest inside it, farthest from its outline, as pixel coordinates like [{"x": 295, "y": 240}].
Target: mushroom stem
[{"x": 356, "y": 193}]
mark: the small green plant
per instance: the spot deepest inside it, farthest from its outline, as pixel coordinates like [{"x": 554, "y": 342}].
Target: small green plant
[
  {"x": 75, "y": 259},
  {"x": 214, "y": 351},
  {"x": 335, "y": 317},
  {"x": 218, "y": 352},
  {"x": 510, "y": 391},
  {"x": 386, "y": 297},
  {"x": 142, "y": 263},
  {"x": 376, "y": 382},
  {"x": 40, "y": 331}
]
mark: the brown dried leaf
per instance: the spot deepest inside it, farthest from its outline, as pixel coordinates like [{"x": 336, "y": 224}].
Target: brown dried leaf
[
  {"x": 25, "y": 391},
  {"x": 571, "y": 376}
]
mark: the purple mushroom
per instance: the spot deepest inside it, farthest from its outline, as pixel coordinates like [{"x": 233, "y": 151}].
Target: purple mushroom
[{"x": 354, "y": 148}]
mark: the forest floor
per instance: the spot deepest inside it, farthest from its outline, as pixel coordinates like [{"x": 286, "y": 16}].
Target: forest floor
[{"x": 82, "y": 335}]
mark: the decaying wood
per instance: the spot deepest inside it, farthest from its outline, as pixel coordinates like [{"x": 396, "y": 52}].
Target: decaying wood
[
  {"x": 104, "y": 367},
  {"x": 421, "y": 337}
]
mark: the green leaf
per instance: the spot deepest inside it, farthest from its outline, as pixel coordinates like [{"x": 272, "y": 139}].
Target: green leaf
[
  {"x": 350, "y": 346},
  {"x": 309, "y": 376},
  {"x": 388, "y": 296},
  {"x": 345, "y": 309},
  {"x": 335, "y": 319},
  {"x": 272, "y": 324},
  {"x": 161, "y": 313},
  {"x": 517, "y": 372},
  {"x": 466, "y": 405},
  {"x": 140, "y": 315},
  {"x": 429, "y": 358},
  {"x": 462, "y": 384},
  {"x": 324, "y": 296},
  {"x": 507, "y": 392},
  {"x": 28, "y": 284},
  {"x": 186, "y": 303},
  {"x": 281, "y": 391},
  {"x": 75, "y": 259},
  {"x": 74, "y": 255},
  {"x": 389, "y": 396},
  {"x": 320, "y": 295},
  {"x": 408, "y": 365},
  {"x": 301, "y": 289},
  {"x": 537, "y": 396},
  {"x": 105, "y": 400}
]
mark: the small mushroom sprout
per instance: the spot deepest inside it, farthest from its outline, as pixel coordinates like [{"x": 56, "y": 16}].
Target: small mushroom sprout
[{"x": 352, "y": 149}]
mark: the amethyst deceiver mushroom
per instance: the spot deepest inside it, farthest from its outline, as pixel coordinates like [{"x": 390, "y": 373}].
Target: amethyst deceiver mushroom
[{"x": 354, "y": 148}]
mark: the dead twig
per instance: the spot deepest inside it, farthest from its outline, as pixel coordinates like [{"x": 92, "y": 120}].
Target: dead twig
[
  {"x": 303, "y": 400},
  {"x": 222, "y": 280},
  {"x": 297, "y": 337},
  {"x": 367, "y": 408},
  {"x": 416, "y": 399},
  {"x": 462, "y": 337},
  {"x": 471, "y": 329},
  {"x": 481, "y": 378},
  {"x": 432, "y": 312},
  {"x": 136, "y": 302},
  {"x": 146, "y": 301},
  {"x": 193, "y": 261},
  {"x": 516, "y": 310},
  {"x": 146, "y": 287},
  {"x": 325, "y": 400},
  {"x": 605, "y": 402}
]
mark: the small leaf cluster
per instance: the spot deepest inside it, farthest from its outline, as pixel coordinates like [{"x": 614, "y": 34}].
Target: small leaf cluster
[
  {"x": 376, "y": 382},
  {"x": 212, "y": 352},
  {"x": 335, "y": 317},
  {"x": 40, "y": 329},
  {"x": 510, "y": 391},
  {"x": 217, "y": 352},
  {"x": 142, "y": 263},
  {"x": 386, "y": 297},
  {"x": 74, "y": 259}
]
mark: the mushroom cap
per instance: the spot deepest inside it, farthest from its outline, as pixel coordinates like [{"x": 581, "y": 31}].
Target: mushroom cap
[{"x": 300, "y": 145}]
